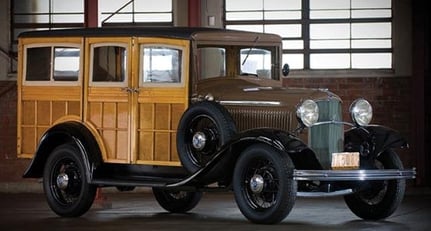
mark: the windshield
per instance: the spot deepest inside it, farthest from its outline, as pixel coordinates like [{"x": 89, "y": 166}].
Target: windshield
[
  {"x": 256, "y": 62},
  {"x": 234, "y": 61}
]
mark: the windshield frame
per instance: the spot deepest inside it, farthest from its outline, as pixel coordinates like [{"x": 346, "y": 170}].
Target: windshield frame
[{"x": 233, "y": 42}]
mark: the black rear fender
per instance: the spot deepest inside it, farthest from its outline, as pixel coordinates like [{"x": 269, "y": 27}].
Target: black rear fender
[{"x": 68, "y": 132}]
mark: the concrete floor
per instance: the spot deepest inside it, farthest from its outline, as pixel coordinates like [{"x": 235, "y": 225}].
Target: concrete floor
[{"x": 217, "y": 211}]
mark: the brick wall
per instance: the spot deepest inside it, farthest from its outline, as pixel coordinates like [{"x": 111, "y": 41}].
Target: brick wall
[
  {"x": 11, "y": 168},
  {"x": 388, "y": 96}
]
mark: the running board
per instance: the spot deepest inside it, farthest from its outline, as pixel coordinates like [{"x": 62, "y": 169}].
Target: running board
[
  {"x": 139, "y": 182},
  {"x": 325, "y": 194},
  {"x": 299, "y": 175},
  {"x": 354, "y": 175}
]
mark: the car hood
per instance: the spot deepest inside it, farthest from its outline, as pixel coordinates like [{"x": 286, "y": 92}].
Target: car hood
[{"x": 257, "y": 92}]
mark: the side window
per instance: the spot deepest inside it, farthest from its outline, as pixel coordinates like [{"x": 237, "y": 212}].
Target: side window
[
  {"x": 212, "y": 62},
  {"x": 52, "y": 64},
  {"x": 38, "y": 64},
  {"x": 161, "y": 64},
  {"x": 109, "y": 64},
  {"x": 66, "y": 64},
  {"x": 256, "y": 61}
]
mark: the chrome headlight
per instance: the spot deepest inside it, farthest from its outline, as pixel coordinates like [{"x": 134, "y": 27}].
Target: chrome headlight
[
  {"x": 308, "y": 113},
  {"x": 361, "y": 112}
]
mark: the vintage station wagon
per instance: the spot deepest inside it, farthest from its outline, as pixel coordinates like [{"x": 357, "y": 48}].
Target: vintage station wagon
[{"x": 191, "y": 110}]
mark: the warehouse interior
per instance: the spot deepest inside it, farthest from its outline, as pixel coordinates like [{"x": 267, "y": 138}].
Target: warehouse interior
[{"x": 396, "y": 87}]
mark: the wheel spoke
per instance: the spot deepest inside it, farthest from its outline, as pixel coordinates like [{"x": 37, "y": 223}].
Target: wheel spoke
[
  {"x": 265, "y": 198},
  {"x": 69, "y": 194}
]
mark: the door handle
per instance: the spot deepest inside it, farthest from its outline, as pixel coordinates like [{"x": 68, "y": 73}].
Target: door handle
[
  {"x": 127, "y": 89},
  {"x": 130, "y": 90}
]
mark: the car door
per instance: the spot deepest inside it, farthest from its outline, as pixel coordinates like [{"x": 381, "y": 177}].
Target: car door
[
  {"x": 161, "y": 86},
  {"x": 108, "y": 94}
]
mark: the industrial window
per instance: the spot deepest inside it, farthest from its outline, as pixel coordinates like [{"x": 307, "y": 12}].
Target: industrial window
[
  {"x": 44, "y": 15},
  {"x": 52, "y": 64},
  {"x": 135, "y": 12},
  {"x": 321, "y": 34},
  {"x": 48, "y": 13}
]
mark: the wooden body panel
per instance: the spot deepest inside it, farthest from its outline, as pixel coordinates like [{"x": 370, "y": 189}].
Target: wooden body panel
[
  {"x": 159, "y": 112},
  {"x": 109, "y": 113},
  {"x": 132, "y": 121},
  {"x": 40, "y": 106}
]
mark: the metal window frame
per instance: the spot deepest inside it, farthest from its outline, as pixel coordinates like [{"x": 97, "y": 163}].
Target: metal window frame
[{"x": 305, "y": 23}]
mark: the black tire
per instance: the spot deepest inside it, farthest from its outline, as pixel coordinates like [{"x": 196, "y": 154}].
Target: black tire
[
  {"x": 177, "y": 201},
  {"x": 205, "y": 119},
  {"x": 263, "y": 184},
  {"x": 65, "y": 182},
  {"x": 381, "y": 198}
]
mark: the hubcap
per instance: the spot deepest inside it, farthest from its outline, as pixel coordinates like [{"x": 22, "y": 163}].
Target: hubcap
[
  {"x": 199, "y": 140},
  {"x": 62, "y": 181},
  {"x": 257, "y": 183}
]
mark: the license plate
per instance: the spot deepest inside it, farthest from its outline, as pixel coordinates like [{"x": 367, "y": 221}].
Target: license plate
[{"x": 345, "y": 160}]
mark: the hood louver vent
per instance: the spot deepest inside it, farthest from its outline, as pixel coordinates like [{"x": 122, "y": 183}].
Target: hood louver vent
[{"x": 260, "y": 117}]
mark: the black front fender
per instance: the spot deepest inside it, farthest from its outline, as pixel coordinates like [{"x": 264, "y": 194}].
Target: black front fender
[
  {"x": 69, "y": 132},
  {"x": 222, "y": 165},
  {"x": 379, "y": 138},
  {"x": 302, "y": 156}
]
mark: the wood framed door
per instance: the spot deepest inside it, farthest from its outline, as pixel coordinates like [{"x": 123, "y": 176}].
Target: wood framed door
[
  {"x": 108, "y": 94},
  {"x": 161, "y": 98}
]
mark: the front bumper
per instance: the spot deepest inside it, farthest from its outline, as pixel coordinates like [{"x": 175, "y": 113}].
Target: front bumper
[{"x": 353, "y": 175}]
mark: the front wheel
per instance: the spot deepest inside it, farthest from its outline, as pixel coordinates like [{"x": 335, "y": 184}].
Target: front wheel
[
  {"x": 381, "y": 198},
  {"x": 203, "y": 129},
  {"x": 263, "y": 184},
  {"x": 65, "y": 182},
  {"x": 177, "y": 201}
]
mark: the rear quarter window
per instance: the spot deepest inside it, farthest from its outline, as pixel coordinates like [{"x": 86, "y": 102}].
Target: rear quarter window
[{"x": 57, "y": 64}]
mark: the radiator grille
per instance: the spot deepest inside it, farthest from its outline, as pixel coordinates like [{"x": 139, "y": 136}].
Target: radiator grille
[{"x": 328, "y": 138}]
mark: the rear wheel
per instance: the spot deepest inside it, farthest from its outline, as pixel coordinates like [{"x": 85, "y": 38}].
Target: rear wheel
[
  {"x": 381, "y": 198},
  {"x": 177, "y": 201},
  {"x": 263, "y": 184},
  {"x": 65, "y": 182}
]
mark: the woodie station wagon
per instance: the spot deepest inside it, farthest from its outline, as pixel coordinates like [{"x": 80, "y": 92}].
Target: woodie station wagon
[{"x": 191, "y": 110}]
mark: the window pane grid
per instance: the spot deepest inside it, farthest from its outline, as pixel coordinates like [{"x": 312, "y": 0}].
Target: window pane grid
[
  {"x": 135, "y": 12},
  {"x": 332, "y": 34}
]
